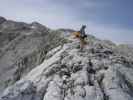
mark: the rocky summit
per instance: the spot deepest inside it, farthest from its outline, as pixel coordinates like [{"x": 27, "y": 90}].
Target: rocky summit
[
  {"x": 101, "y": 71},
  {"x": 22, "y": 47}
]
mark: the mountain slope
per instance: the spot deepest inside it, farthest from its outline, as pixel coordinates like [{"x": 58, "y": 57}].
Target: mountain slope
[
  {"x": 37, "y": 63},
  {"x": 99, "y": 72},
  {"x": 22, "y": 47}
]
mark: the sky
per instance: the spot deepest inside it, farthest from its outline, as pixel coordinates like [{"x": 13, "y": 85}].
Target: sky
[{"x": 105, "y": 19}]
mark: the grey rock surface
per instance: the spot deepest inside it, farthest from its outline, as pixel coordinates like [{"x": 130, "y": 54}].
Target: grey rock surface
[
  {"x": 96, "y": 73},
  {"x": 99, "y": 72},
  {"x": 2, "y": 19},
  {"x": 23, "y": 47}
]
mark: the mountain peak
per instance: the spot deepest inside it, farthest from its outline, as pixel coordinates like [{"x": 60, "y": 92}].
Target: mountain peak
[
  {"x": 52, "y": 67},
  {"x": 2, "y": 19}
]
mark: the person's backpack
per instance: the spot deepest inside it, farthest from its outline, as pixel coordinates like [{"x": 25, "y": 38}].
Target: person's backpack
[{"x": 77, "y": 34}]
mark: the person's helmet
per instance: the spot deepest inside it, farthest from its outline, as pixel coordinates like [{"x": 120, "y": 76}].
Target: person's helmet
[{"x": 84, "y": 26}]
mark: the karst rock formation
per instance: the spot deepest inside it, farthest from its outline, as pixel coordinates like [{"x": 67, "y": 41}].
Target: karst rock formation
[{"x": 37, "y": 63}]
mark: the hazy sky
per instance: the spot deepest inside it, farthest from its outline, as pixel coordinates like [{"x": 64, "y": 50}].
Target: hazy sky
[{"x": 106, "y": 19}]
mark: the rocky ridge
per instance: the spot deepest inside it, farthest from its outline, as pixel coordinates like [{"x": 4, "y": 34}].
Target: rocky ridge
[
  {"x": 22, "y": 47},
  {"x": 99, "y": 72},
  {"x": 102, "y": 71}
]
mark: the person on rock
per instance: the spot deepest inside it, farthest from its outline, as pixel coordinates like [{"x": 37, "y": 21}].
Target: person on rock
[{"x": 81, "y": 35}]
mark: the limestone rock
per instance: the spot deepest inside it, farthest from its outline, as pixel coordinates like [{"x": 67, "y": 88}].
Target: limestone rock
[
  {"x": 66, "y": 75},
  {"x": 98, "y": 72}
]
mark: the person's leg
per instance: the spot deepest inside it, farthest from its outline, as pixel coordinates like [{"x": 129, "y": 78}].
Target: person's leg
[{"x": 82, "y": 43}]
